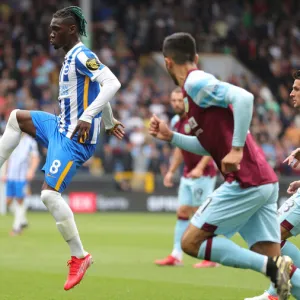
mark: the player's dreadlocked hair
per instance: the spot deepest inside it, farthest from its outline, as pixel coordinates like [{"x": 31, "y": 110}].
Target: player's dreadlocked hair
[{"x": 74, "y": 12}]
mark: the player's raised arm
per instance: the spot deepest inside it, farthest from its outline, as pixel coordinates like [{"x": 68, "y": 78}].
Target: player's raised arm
[{"x": 160, "y": 130}]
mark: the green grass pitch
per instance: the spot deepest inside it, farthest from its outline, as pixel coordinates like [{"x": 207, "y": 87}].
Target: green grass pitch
[{"x": 124, "y": 246}]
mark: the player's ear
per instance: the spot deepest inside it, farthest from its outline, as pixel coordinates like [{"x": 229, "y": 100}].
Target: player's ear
[
  {"x": 196, "y": 59},
  {"x": 72, "y": 29},
  {"x": 168, "y": 62}
]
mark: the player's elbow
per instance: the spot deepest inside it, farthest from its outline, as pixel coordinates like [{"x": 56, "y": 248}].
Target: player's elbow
[
  {"x": 116, "y": 84},
  {"x": 249, "y": 99}
]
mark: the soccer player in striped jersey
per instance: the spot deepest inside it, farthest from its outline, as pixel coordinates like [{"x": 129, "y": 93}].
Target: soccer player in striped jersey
[
  {"x": 20, "y": 170},
  {"x": 85, "y": 88},
  {"x": 219, "y": 115}
]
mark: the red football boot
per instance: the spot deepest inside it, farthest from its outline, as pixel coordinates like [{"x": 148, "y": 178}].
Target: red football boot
[
  {"x": 78, "y": 267},
  {"x": 169, "y": 261},
  {"x": 206, "y": 264}
]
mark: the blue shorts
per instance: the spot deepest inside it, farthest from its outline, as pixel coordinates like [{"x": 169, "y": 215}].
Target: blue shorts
[
  {"x": 16, "y": 189},
  {"x": 289, "y": 214},
  {"x": 64, "y": 156},
  {"x": 252, "y": 212},
  {"x": 193, "y": 192}
]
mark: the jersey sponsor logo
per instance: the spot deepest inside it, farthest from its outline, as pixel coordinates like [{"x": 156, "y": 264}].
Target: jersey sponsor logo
[
  {"x": 49, "y": 175},
  {"x": 92, "y": 64},
  {"x": 187, "y": 129},
  {"x": 199, "y": 131},
  {"x": 193, "y": 123}
]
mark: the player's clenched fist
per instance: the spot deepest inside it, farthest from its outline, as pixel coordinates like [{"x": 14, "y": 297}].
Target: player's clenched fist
[
  {"x": 231, "y": 162},
  {"x": 159, "y": 129},
  {"x": 294, "y": 158}
]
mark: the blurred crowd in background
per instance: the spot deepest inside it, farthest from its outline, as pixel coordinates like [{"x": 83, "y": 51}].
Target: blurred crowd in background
[{"x": 264, "y": 35}]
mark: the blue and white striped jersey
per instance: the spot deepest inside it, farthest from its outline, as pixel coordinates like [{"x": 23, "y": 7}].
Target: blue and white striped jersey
[
  {"x": 19, "y": 161},
  {"x": 78, "y": 89},
  {"x": 206, "y": 90}
]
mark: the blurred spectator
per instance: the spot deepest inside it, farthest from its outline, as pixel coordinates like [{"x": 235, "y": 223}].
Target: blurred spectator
[{"x": 263, "y": 34}]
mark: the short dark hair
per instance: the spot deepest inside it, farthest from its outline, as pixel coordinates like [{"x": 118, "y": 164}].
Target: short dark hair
[
  {"x": 76, "y": 14},
  {"x": 181, "y": 47},
  {"x": 296, "y": 74}
]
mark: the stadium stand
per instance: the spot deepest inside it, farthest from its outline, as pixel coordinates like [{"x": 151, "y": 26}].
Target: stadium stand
[{"x": 263, "y": 34}]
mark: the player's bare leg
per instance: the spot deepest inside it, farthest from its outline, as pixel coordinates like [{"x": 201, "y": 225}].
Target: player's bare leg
[
  {"x": 64, "y": 217},
  {"x": 204, "y": 263},
  {"x": 203, "y": 244}
]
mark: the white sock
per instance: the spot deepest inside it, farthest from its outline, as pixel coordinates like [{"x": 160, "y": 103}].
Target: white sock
[
  {"x": 23, "y": 214},
  {"x": 177, "y": 254},
  {"x": 17, "y": 217},
  {"x": 10, "y": 138},
  {"x": 65, "y": 222}
]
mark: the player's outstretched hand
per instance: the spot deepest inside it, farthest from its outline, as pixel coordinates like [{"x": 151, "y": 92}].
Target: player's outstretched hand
[
  {"x": 231, "y": 162},
  {"x": 168, "y": 179},
  {"x": 117, "y": 130},
  {"x": 293, "y": 187},
  {"x": 83, "y": 129},
  {"x": 293, "y": 159},
  {"x": 159, "y": 129}
]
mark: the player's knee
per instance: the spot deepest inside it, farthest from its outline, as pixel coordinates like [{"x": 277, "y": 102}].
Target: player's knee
[
  {"x": 13, "y": 121},
  {"x": 184, "y": 212},
  {"x": 266, "y": 248},
  {"x": 285, "y": 234},
  {"x": 50, "y": 199},
  {"x": 20, "y": 201},
  {"x": 191, "y": 241}
]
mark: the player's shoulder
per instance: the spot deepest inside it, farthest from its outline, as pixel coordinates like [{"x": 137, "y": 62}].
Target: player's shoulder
[
  {"x": 198, "y": 79},
  {"x": 174, "y": 121},
  {"x": 88, "y": 58},
  {"x": 86, "y": 53}
]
